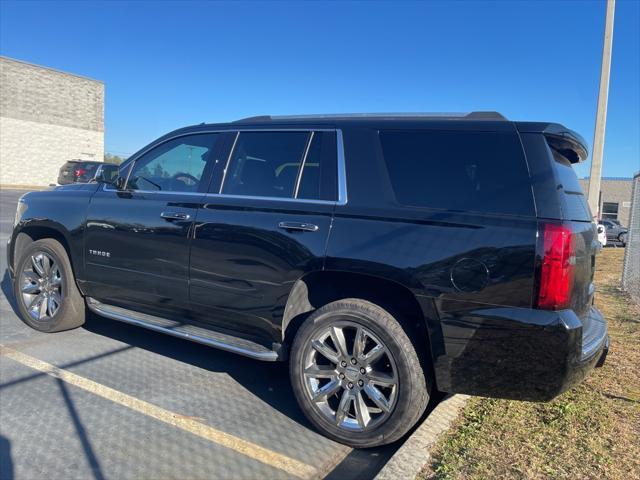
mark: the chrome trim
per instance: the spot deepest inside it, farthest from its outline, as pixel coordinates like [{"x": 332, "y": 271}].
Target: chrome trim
[
  {"x": 175, "y": 216},
  {"x": 342, "y": 176},
  {"x": 278, "y": 199},
  {"x": 305, "y": 227},
  {"x": 302, "y": 163},
  {"x": 162, "y": 192},
  {"x": 265, "y": 356},
  {"x": 342, "y": 172},
  {"x": 226, "y": 166}
]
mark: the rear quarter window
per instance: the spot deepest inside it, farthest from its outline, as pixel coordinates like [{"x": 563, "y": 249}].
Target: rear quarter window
[
  {"x": 574, "y": 202},
  {"x": 466, "y": 171}
]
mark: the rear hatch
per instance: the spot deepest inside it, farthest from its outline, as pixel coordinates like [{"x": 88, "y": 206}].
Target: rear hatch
[{"x": 567, "y": 236}]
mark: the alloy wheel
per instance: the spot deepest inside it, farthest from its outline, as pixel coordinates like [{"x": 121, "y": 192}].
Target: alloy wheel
[
  {"x": 41, "y": 284},
  {"x": 350, "y": 376}
]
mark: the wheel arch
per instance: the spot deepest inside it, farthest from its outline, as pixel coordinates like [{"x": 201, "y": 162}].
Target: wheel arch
[
  {"x": 321, "y": 287},
  {"x": 33, "y": 232}
]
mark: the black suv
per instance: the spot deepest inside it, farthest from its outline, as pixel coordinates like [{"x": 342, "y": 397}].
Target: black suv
[{"x": 384, "y": 256}]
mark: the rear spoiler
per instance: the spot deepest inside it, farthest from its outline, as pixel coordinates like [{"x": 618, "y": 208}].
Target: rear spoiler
[{"x": 568, "y": 143}]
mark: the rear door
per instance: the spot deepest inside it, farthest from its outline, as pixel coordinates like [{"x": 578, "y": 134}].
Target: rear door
[{"x": 263, "y": 224}]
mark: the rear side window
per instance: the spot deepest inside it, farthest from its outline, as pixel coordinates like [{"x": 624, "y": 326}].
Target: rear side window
[
  {"x": 282, "y": 165},
  {"x": 318, "y": 180},
  {"x": 574, "y": 202},
  {"x": 468, "y": 171}
]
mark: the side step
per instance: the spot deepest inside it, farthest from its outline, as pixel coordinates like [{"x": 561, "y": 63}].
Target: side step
[{"x": 184, "y": 330}]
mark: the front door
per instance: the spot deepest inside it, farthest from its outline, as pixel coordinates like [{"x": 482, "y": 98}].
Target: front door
[
  {"x": 137, "y": 238},
  {"x": 264, "y": 224}
]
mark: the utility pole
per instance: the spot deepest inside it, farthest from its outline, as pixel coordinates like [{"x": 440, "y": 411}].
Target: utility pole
[{"x": 593, "y": 195}]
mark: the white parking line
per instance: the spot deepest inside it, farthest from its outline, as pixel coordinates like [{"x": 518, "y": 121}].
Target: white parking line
[{"x": 249, "y": 449}]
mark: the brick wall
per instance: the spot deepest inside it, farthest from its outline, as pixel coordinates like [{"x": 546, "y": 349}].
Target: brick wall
[{"x": 47, "y": 117}]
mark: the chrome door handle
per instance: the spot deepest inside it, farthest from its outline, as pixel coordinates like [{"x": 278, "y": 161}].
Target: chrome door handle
[
  {"x": 305, "y": 227},
  {"x": 175, "y": 215}
]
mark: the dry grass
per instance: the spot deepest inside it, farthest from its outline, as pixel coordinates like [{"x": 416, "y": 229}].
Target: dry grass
[{"x": 591, "y": 431}]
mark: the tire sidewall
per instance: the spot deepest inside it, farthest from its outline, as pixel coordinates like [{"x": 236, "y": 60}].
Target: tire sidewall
[
  {"x": 408, "y": 378},
  {"x": 57, "y": 252}
]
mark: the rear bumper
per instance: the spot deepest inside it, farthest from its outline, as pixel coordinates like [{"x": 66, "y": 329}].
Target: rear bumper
[{"x": 516, "y": 353}]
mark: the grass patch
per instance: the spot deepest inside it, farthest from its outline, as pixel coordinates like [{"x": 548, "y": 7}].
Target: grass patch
[{"x": 591, "y": 431}]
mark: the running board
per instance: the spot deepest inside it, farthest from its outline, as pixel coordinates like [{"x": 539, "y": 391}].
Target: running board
[{"x": 184, "y": 330}]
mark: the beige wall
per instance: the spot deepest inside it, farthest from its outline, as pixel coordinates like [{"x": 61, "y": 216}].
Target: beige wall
[
  {"x": 47, "y": 117},
  {"x": 615, "y": 191},
  {"x": 32, "y": 153}
]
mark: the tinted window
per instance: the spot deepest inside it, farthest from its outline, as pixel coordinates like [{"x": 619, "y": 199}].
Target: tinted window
[
  {"x": 174, "y": 166},
  {"x": 265, "y": 164},
  {"x": 469, "y": 171},
  {"x": 574, "y": 203},
  {"x": 319, "y": 175}
]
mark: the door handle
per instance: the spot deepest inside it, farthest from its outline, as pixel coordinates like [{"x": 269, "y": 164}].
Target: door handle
[
  {"x": 175, "y": 216},
  {"x": 305, "y": 227}
]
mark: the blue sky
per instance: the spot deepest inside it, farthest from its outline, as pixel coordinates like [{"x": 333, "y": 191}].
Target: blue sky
[{"x": 169, "y": 64}]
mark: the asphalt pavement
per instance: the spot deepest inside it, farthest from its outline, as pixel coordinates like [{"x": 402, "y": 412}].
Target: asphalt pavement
[{"x": 110, "y": 400}]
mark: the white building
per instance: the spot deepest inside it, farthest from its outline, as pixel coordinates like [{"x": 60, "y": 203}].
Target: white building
[{"x": 47, "y": 117}]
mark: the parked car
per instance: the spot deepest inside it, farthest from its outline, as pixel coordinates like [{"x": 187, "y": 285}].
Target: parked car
[
  {"x": 615, "y": 231},
  {"x": 77, "y": 171},
  {"x": 602, "y": 235},
  {"x": 384, "y": 257}
]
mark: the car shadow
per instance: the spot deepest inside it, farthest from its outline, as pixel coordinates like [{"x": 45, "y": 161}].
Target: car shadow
[
  {"x": 7, "y": 290},
  {"x": 269, "y": 381},
  {"x": 6, "y": 462}
]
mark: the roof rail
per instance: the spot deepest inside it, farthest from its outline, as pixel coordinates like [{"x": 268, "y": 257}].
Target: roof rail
[{"x": 327, "y": 116}]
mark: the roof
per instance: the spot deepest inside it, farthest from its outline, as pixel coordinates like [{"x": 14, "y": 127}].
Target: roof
[{"x": 374, "y": 116}]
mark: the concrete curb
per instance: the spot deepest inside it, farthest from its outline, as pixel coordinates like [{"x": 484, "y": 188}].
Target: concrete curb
[{"x": 414, "y": 454}]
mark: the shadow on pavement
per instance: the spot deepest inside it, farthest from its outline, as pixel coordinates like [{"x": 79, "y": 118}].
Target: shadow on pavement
[
  {"x": 267, "y": 381},
  {"x": 6, "y": 462}
]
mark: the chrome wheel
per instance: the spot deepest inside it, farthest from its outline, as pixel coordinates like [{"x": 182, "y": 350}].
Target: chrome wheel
[
  {"x": 41, "y": 286},
  {"x": 350, "y": 376}
]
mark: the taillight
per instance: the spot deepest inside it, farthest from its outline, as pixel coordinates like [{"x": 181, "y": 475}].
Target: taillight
[
  {"x": 79, "y": 172},
  {"x": 557, "y": 267}
]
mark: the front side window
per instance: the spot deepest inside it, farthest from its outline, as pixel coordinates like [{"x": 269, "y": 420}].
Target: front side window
[
  {"x": 268, "y": 164},
  {"x": 174, "y": 166}
]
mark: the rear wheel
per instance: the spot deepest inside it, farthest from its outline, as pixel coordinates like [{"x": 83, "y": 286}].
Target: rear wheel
[
  {"x": 45, "y": 288},
  {"x": 357, "y": 375}
]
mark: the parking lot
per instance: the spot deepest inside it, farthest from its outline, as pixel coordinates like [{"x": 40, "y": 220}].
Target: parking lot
[{"x": 110, "y": 400}]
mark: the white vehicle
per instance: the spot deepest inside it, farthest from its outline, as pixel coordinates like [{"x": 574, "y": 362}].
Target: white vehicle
[{"x": 602, "y": 235}]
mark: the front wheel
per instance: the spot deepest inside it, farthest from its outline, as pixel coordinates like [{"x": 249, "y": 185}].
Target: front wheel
[
  {"x": 45, "y": 289},
  {"x": 357, "y": 375}
]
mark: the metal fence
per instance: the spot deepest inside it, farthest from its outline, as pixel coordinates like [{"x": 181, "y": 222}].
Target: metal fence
[{"x": 631, "y": 270}]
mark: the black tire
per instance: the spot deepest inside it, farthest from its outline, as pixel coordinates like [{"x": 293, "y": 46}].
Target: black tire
[
  {"x": 621, "y": 238},
  {"x": 412, "y": 388},
  {"x": 71, "y": 311}
]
